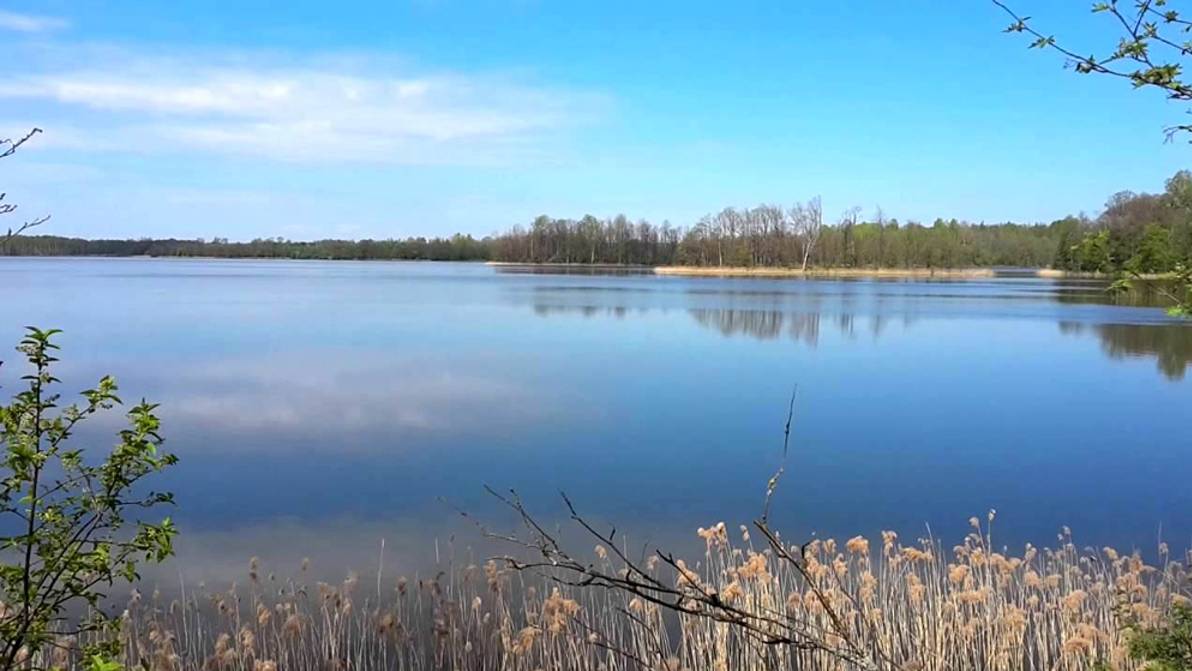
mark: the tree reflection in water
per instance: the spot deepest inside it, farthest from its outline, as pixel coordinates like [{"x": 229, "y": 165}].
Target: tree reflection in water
[{"x": 1170, "y": 344}]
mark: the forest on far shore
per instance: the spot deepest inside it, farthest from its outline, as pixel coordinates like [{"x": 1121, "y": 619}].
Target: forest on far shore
[{"x": 1137, "y": 232}]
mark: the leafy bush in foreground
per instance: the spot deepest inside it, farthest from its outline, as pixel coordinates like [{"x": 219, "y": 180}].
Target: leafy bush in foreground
[{"x": 70, "y": 526}]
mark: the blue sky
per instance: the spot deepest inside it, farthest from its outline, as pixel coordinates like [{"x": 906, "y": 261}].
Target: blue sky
[{"x": 379, "y": 119}]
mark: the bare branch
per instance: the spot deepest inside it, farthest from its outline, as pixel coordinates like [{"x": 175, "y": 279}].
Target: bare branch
[
  {"x": 687, "y": 595},
  {"x": 8, "y": 147},
  {"x": 772, "y": 485}
]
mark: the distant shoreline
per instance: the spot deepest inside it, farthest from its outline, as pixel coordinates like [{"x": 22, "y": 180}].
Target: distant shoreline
[
  {"x": 594, "y": 266},
  {"x": 774, "y": 271},
  {"x": 673, "y": 271},
  {"x": 209, "y": 257},
  {"x": 769, "y": 271},
  {"x": 711, "y": 271}
]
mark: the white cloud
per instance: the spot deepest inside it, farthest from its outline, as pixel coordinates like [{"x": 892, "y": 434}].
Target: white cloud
[
  {"x": 314, "y": 110},
  {"x": 30, "y": 23}
]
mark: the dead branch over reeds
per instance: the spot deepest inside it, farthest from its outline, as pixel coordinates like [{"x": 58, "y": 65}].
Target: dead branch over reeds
[{"x": 857, "y": 604}]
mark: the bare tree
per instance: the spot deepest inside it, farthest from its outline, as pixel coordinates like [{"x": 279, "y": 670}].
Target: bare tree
[
  {"x": 807, "y": 221},
  {"x": 8, "y": 147},
  {"x": 770, "y": 231}
]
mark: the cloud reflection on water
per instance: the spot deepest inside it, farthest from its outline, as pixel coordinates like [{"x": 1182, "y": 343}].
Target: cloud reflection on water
[{"x": 335, "y": 392}]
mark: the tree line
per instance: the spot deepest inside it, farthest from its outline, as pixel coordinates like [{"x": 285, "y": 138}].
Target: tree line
[
  {"x": 455, "y": 248},
  {"x": 1137, "y": 233},
  {"x": 771, "y": 235}
]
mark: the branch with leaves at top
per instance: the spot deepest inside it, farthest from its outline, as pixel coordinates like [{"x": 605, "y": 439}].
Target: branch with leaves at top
[{"x": 1149, "y": 54}]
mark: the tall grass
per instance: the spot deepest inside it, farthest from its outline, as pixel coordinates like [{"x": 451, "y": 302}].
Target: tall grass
[{"x": 916, "y": 606}]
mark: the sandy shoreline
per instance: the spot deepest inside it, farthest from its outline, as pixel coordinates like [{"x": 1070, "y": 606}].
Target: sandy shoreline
[
  {"x": 743, "y": 271},
  {"x": 1077, "y": 274},
  {"x": 594, "y": 266},
  {"x": 735, "y": 271},
  {"x": 703, "y": 271}
]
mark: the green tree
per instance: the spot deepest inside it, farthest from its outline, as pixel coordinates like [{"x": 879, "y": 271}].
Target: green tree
[
  {"x": 1178, "y": 190},
  {"x": 1154, "y": 252},
  {"x": 71, "y": 524},
  {"x": 1178, "y": 196},
  {"x": 1068, "y": 232},
  {"x": 1093, "y": 253}
]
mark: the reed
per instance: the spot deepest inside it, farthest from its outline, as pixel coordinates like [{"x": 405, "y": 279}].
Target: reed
[{"x": 917, "y": 605}]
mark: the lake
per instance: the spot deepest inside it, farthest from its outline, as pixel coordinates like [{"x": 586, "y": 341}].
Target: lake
[{"x": 319, "y": 407}]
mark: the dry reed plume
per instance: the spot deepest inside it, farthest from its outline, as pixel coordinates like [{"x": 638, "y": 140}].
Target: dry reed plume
[{"x": 869, "y": 603}]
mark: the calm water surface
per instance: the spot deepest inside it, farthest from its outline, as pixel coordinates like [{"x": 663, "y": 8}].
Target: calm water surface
[{"x": 321, "y": 406}]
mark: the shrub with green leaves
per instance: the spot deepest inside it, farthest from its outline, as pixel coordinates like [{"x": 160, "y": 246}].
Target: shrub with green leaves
[
  {"x": 72, "y": 519},
  {"x": 1168, "y": 646}
]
